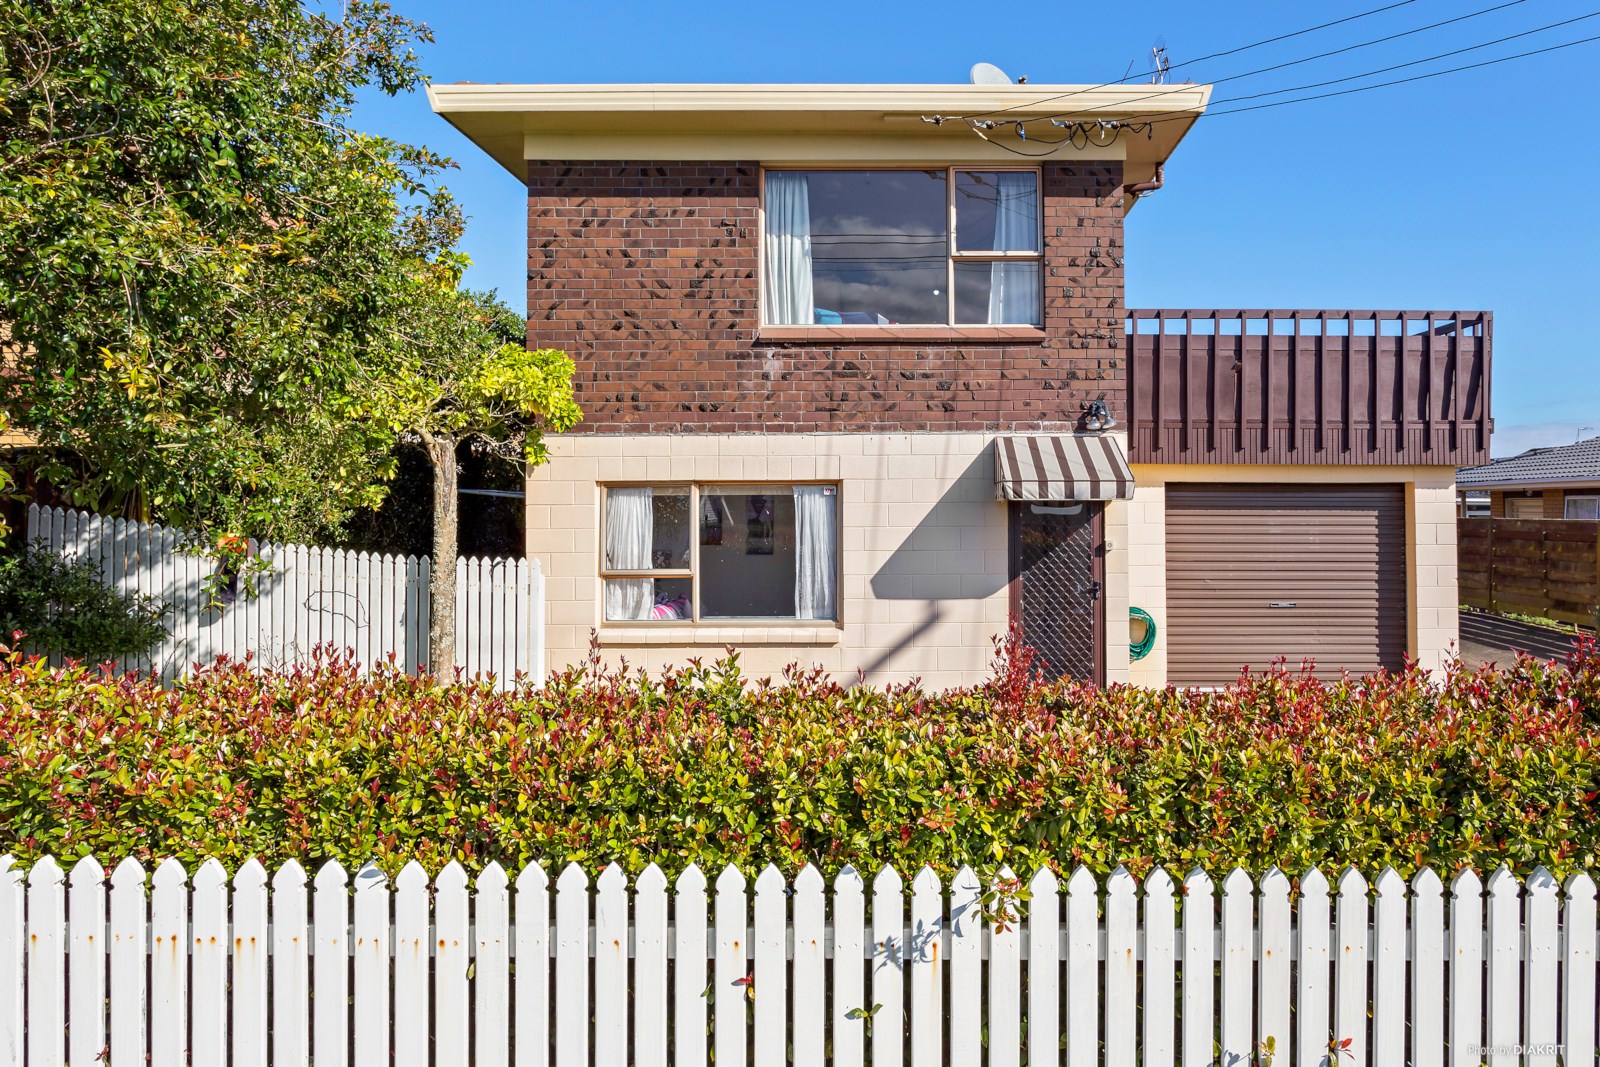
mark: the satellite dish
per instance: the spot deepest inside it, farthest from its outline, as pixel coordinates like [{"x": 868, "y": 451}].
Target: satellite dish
[{"x": 989, "y": 74}]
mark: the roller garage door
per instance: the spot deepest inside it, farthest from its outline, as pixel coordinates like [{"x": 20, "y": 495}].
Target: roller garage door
[{"x": 1259, "y": 572}]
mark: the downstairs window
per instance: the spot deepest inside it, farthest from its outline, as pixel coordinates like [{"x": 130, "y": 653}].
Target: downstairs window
[{"x": 719, "y": 552}]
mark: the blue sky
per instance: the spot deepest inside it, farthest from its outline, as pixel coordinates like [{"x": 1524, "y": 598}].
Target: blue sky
[{"x": 1461, "y": 192}]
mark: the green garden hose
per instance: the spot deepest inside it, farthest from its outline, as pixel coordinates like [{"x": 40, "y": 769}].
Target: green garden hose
[{"x": 1140, "y": 647}]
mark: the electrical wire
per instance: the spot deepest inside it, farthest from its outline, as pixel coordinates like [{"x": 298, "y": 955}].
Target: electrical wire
[
  {"x": 1412, "y": 63},
  {"x": 1247, "y": 74},
  {"x": 1214, "y": 55},
  {"x": 1321, "y": 96}
]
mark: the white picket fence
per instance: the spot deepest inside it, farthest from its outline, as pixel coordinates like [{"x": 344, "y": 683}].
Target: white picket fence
[
  {"x": 374, "y": 605},
  {"x": 417, "y": 973}
]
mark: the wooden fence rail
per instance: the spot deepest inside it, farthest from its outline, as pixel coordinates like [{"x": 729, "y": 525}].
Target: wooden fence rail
[
  {"x": 373, "y": 605},
  {"x": 200, "y": 969},
  {"x": 1545, "y": 567}
]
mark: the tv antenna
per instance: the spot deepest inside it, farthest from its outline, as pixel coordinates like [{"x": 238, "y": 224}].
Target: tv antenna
[{"x": 1160, "y": 65}]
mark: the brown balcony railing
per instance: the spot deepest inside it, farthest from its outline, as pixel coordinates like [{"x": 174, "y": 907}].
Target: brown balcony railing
[{"x": 1337, "y": 387}]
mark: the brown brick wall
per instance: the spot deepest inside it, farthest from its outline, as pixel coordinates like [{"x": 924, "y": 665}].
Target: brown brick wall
[{"x": 647, "y": 275}]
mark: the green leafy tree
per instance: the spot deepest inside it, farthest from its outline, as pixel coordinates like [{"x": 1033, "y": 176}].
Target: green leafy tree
[
  {"x": 198, "y": 254},
  {"x": 464, "y": 376}
]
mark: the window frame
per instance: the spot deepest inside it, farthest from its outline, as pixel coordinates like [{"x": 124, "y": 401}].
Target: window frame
[
  {"x": 693, "y": 570},
  {"x": 952, "y": 255},
  {"x": 1566, "y": 505}
]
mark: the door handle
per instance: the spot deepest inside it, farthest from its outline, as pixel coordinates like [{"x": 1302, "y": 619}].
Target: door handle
[{"x": 1282, "y": 604}]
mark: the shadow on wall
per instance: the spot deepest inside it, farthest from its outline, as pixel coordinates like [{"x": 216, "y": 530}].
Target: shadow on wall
[
  {"x": 941, "y": 559},
  {"x": 938, "y": 559}
]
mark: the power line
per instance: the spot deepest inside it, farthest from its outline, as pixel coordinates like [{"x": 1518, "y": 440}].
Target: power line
[
  {"x": 1322, "y": 96},
  {"x": 1214, "y": 55},
  {"x": 1262, "y": 70},
  {"x": 1412, "y": 63}
]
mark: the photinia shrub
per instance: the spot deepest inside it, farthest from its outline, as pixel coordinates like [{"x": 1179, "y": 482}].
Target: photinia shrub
[{"x": 703, "y": 765}]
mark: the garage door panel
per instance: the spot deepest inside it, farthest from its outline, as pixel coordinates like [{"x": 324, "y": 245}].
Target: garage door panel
[{"x": 1335, "y": 553}]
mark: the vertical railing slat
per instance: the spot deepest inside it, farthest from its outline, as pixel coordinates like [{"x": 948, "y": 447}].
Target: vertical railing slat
[
  {"x": 771, "y": 988},
  {"x": 169, "y": 966},
  {"x": 1044, "y": 968},
  {"x": 1389, "y": 972},
  {"x": 1083, "y": 969},
  {"x": 1275, "y": 988},
  {"x": 1542, "y": 981},
  {"x": 1350, "y": 1003}
]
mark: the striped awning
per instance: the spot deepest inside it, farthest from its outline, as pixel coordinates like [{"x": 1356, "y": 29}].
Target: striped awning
[{"x": 1074, "y": 466}]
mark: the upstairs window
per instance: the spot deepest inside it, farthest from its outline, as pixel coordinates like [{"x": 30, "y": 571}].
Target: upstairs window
[{"x": 954, "y": 246}]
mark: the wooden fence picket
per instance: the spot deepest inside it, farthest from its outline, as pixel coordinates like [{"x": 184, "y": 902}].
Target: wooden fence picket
[
  {"x": 851, "y": 1006},
  {"x": 330, "y": 1016},
  {"x": 13, "y": 962},
  {"x": 452, "y": 961},
  {"x": 181, "y": 969},
  {"x": 373, "y": 605},
  {"x": 610, "y": 956},
  {"x": 291, "y": 968},
  {"x": 966, "y": 931},
  {"x": 650, "y": 968},
  {"x": 47, "y": 977},
  {"x": 809, "y": 1024},
  {"x": 691, "y": 986},
  {"x": 208, "y": 965},
  {"x": 1005, "y": 974},
  {"x": 491, "y": 984},
  {"x": 86, "y": 961}
]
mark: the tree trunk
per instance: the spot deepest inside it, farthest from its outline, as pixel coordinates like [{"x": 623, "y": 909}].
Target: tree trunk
[{"x": 442, "y": 587}]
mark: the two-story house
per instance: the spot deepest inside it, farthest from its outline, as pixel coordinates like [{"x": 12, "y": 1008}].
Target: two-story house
[{"x": 861, "y": 389}]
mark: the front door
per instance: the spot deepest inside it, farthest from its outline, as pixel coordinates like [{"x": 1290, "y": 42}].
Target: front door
[{"x": 1056, "y": 585}]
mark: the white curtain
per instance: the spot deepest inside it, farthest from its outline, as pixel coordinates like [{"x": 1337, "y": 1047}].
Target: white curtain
[
  {"x": 786, "y": 272},
  {"x": 630, "y": 529},
  {"x": 815, "y": 572},
  {"x": 1014, "y": 287}
]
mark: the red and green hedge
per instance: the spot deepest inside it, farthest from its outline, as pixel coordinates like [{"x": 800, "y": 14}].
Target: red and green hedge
[{"x": 702, "y": 765}]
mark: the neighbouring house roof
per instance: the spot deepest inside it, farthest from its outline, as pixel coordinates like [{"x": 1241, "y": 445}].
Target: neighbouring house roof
[
  {"x": 1567, "y": 464},
  {"x": 800, "y": 123}
]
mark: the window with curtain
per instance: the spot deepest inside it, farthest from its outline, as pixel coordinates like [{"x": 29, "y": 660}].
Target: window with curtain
[
  {"x": 716, "y": 552},
  {"x": 952, "y": 246}
]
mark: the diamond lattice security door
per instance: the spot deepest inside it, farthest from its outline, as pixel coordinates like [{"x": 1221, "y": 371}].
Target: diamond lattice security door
[{"x": 1055, "y": 553}]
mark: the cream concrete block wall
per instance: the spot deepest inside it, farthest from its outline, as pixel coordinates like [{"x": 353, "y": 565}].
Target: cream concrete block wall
[
  {"x": 1431, "y": 597},
  {"x": 925, "y": 559}
]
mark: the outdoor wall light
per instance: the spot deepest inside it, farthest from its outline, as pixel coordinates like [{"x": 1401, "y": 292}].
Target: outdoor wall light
[{"x": 1096, "y": 416}]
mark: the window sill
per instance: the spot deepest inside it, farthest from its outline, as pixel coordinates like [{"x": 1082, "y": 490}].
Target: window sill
[
  {"x": 646, "y": 635},
  {"x": 888, "y": 335}
]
